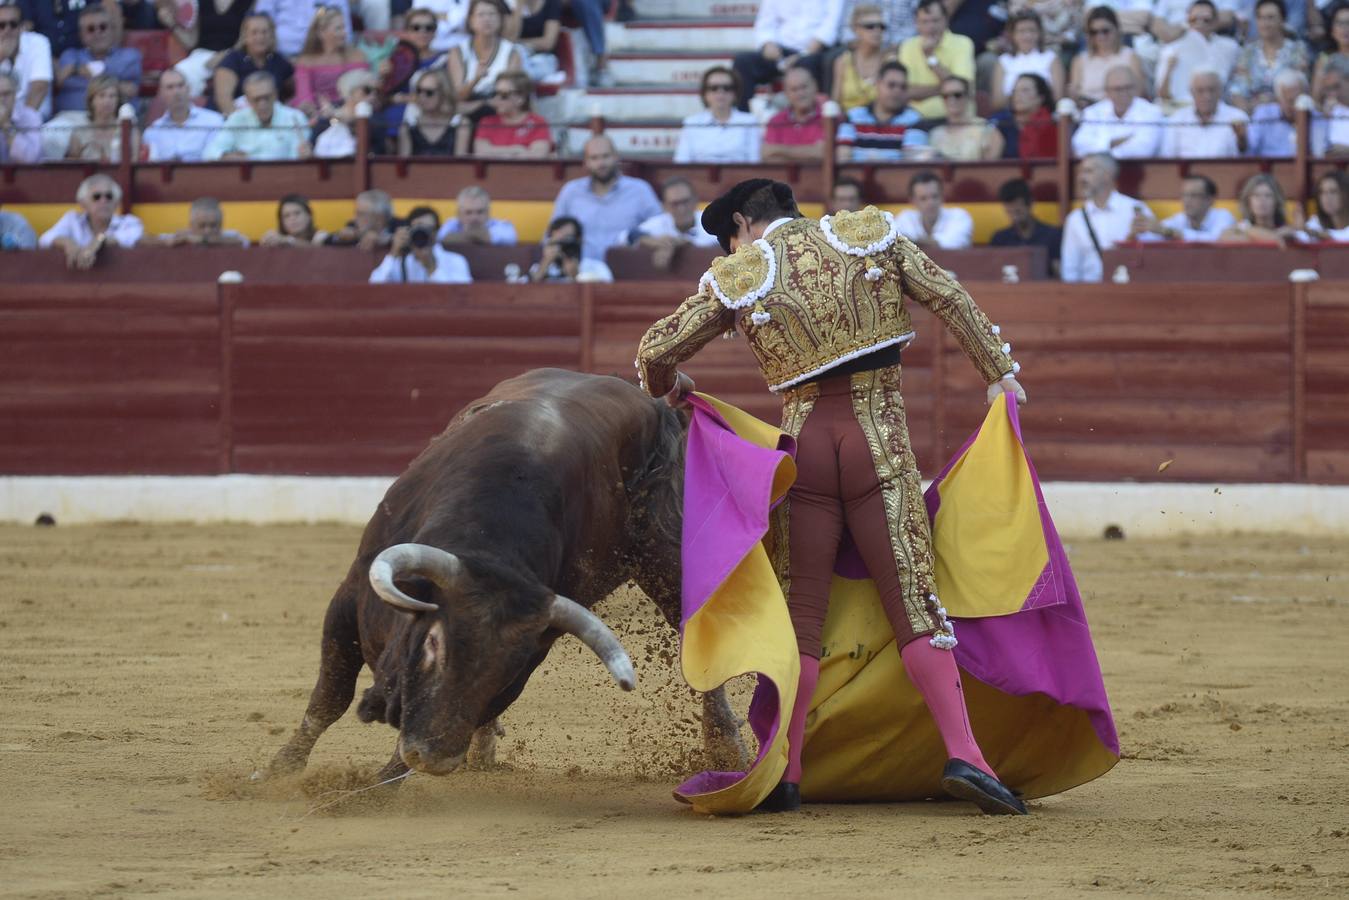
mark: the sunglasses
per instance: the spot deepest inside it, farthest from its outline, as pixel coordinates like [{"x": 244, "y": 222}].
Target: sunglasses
[
  {"x": 1097, "y": 32},
  {"x": 954, "y": 95},
  {"x": 100, "y": 195},
  {"x": 871, "y": 26},
  {"x": 721, "y": 86},
  {"x": 427, "y": 28},
  {"x": 10, "y": 23},
  {"x": 428, "y": 92},
  {"x": 506, "y": 95},
  {"x": 95, "y": 28}
]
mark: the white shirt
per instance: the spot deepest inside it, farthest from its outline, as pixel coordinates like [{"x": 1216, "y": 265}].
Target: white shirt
[
  {"x": 1038, "y": 62},
  {"x": 244, "y": 133},
  {"x": 451, "y": 268},
  {"x": 187, "y": 142},
  {"x": 954, "y": 229},
  {"x": 663, "y": 225},
  {"x": 1211, "y": 227},
  {"x": 122, "y": 230},
  {"x": 451, "y": 18},
  {"x": 1192, "y": 51},
  {"x": 1186, "y": 137},
  {"x": 705, "y": 140},
  {"x": 588, "y": 270},
  {"x": 32, "y": 62},
  {"x": 1339, "y": 125},
  {"x": 1335, "y": 234},
  {"x": 1080, "y": 261},
  {"x": 1141, "y": 124},
  {"x": 792, "y": 24}
]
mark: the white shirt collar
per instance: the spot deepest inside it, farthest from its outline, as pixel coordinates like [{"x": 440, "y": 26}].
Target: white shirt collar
[{"x": 774, "y": 224}]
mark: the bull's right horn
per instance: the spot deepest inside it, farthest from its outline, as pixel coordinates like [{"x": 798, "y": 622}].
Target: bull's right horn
[
  {"x": 402, "y": 560},
  {"x": 572, "y": 617}
]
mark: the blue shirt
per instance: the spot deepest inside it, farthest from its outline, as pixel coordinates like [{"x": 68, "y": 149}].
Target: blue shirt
[
  {"x": 499, "y": 230},
  {"x": 629, "y": 203},
  {"x": 123, "y": 63},
  {"x": 873, "y": 140},
  {"x": 187, "y": 142},
  {"x": 292, "y": 18},
  {"x": 1270, "y": 134},
  {"x": 16, "y": 233}
]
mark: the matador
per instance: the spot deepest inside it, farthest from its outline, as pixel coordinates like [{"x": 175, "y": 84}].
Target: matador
[{"x": 822, "y": 306}]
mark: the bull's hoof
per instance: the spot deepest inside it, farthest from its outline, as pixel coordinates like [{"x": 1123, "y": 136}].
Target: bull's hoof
[{"x": 482, "y": 749}]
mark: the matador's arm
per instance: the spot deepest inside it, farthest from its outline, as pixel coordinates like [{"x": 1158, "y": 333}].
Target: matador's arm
[
  {"x": 677, "y": 337},
  {"x": 928, "y": 283}
]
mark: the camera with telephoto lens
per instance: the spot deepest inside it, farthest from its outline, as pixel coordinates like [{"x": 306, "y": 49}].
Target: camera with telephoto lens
[{"x": 419, "y": 236}]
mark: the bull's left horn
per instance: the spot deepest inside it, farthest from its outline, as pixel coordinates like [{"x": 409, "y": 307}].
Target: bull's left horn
[
  {"x": 429, "y": 562},
  {"x": 572, "y": 617}
]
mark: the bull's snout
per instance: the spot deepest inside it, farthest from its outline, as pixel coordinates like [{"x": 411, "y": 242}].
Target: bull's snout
[{"x": 421, "y": 758}]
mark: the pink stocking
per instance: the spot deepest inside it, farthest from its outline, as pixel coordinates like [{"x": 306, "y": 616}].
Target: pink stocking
[
  {"x": 934, "y": 673},
  {"x": 796, "y": 728}
]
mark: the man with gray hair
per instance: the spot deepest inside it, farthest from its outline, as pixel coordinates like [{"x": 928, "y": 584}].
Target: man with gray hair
[
  {"x": 1199, "y": 47},
  {"x": 1104, "y": 219},
  {"x": 1123, "y": 124},
  {"x": 83, "y": 233},
  {"x": 1209, "y": 128},
  {"x": 473, "y": 222},
  {"x": 265, "y": 129},
  {"x": 1335, "y": 83},
  {"x": 1272, "y": 130},
  {"x": 205, "y": 228},
  {"x": 20, "y": 141},
  {"x": 372, "y": 226}
]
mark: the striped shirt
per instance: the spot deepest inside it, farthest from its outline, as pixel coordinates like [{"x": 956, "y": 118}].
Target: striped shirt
[{"x": 873, "y": 140}]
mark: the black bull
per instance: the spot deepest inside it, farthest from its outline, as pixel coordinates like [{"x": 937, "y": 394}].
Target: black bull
[{"x": 534, "y": 504}]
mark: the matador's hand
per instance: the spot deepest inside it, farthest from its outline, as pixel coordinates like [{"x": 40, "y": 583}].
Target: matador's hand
[
  {"x": 1006, "y": 386},
  {"x": 678, "y": 397}
]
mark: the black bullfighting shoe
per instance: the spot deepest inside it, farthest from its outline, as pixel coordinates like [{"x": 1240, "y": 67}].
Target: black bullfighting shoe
[
  {"x": 786, "y": 797},
  {"x": 962, "y": 780}
]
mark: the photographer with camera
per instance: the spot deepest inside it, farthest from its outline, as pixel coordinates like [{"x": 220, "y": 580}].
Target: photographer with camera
[
  {"x": 415, "y": 257},
  {"x": 561, "y": 258}
]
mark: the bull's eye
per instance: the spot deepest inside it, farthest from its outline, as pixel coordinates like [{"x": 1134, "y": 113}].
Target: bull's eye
[{"x": 433, "y": 648}]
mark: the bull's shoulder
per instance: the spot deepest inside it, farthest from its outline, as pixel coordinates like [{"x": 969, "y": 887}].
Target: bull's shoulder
[{"x": 860, "y": 233}]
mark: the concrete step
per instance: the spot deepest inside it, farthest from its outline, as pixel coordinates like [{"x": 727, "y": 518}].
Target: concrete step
[
  {"x": 644, "y": 103},
  {"x": 695, "y": 9},
  {"x": 664, "y": 68},
  {"x": 681, "y": 35}
]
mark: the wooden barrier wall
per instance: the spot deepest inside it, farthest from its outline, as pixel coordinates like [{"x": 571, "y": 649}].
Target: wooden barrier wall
[{"x": 1220, "y": 382}]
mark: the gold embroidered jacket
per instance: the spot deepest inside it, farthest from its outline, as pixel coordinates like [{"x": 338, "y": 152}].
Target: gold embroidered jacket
[{"x": 812, "y": 295}]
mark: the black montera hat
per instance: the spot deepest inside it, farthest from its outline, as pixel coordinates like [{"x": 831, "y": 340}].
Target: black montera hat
[{"x": 717, "y": 218}]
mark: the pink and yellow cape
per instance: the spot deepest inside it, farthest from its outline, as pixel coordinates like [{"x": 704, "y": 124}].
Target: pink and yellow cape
[{"x": 1036, "y": 699}]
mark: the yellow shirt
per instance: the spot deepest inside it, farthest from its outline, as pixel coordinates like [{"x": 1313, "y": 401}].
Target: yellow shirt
[
  {"x": 853, "y": 91},
  {"x": 955, "y": 52}
]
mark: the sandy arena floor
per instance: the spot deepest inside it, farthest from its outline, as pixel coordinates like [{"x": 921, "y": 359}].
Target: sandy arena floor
[{"x": 146, "y": 671}]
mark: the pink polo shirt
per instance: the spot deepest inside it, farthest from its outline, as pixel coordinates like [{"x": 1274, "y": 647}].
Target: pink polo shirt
[{"x": 783, "y": 129}]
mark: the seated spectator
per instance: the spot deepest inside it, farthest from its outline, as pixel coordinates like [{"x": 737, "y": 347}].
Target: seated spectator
[
  {"x": 534, "y": 26},
  {"x": 1025, "y": 230},
  {"x": 25, "y": 56},
  {"x": 451, "y": 22},
  {"x": 414, "y": 257},
  {"x": 846, "y": 194},
  {"x": 605, "y": 203},
  {"x": 336, "y": 137},
  {"x": 205, "y": 228},
  {"x": 932, "y": 225},
  {"x": 83, "y": 233},
  {"x": 1208, "y": 128},
  {"x": 432, "y": 126},
  {"x": 1104, "y": 219},
  {"x": 786, "y": 33},
  {"x": 1105, "y": 52},
  {"x": 59, "y": 23},
  {"x": 797, "y": 132},
  {"x": 1124, "y": 124},
  {"x": 720, "y": 133},
  {"x": 1331, "y": 222},
  {"x": 931, "y": 56},
  {"x": 963, "y": 135},
  {"x": 1273, "y": 50},
  {"x": 856, "y": 70},
  {"x": 20, "y": 141},
  {"x": 184, "y": 130},
  {"x": 372, "y": 226},
  {"x": 101, "y": 139},
  {"x": 294, "y": 225},
  {"x": 1166, "y": 20},
  {"x": 888, "y": 127},
  {"x": 1027, "y": 56},
  {"x": 255, "y": 52},
  {"x": 1263, "y": 218},
  {"x": 101, "y": 56},
  {"x": 473, "y": 222},
  {"x": 474, "y": 66},
  {"x": 1337, "y": 40},
  {"x": 419, "y": 28},
  {"x": 264, "y": 130},
  {"x": 16, "y": 233},
  {"x": 1060, "y": 20},
  {"x": 1272, "y": 131},
  {"x": 562, "y": 256},
  {"x": 292, "y": 19},
  {"x": 1198, "y": 220},
  {"x": 1028, "y": 128},
  {"x": 1336, "y": 107},
  {"x": 677, "y": 227},
  {"x": 514, "y": 131},
  {"x": 206, "y": 30},
  {"x": 1198, "y": 48},
  {"x": 325, "y": 58}
]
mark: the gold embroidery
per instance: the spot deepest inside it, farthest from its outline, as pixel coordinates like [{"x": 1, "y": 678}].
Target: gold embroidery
[
  {"x": 678, "y": 336},
  {"x": 796, "y": 407},
  {"x": 861, "y": 228},
  {"x": 742, "y": 273}
]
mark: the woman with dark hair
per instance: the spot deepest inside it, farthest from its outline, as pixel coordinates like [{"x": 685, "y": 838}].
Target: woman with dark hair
[
  {"x": 1252, "y": 81},
  {"x": 1027, "y": 126},
  {"x": 1336, "y": 45},
  {"x": 1331, "y": 222},
  {"x": 1027, "y": 56},
  {"x": 963, "y": 135},
  {"x": 1105, "y": 50},
  {"x": 474, "y": 66},
  {"x": 294, "y": 224},
  {"x": 535, "y": 25},
  {"x": 1262, "y": 217},
  {"x": 431, "y": 125},
  {"x": 720, "y": 133},
  {"x": 514, "y": 131}
]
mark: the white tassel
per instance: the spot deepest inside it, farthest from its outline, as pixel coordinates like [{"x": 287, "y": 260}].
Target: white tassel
[
  {"x": 997, "y": 329},
  {"x": 1006, "y": 348},
  {"x": 874, "y": 273},
  {"x": 759, "y": 318},
  {"x": 1016, "y": 367}
]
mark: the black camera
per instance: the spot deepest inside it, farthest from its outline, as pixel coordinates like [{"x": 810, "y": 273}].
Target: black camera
[
  {"x": 569, "y": 249},
  {"x": 419, "y": 236}
]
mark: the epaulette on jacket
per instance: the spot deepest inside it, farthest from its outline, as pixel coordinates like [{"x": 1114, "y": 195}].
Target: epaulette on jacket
[
  {"x": 744, "y": 278},
  {"x": 860, "y": 233}
]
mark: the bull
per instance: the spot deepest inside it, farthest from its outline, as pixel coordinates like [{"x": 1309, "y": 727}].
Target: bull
[{"x": 535, "y": 503}]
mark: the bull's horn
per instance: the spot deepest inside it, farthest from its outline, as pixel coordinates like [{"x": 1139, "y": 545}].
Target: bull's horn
[
  {"x": 572, "y": 617},
  {"x": 402, "y": 560}
]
